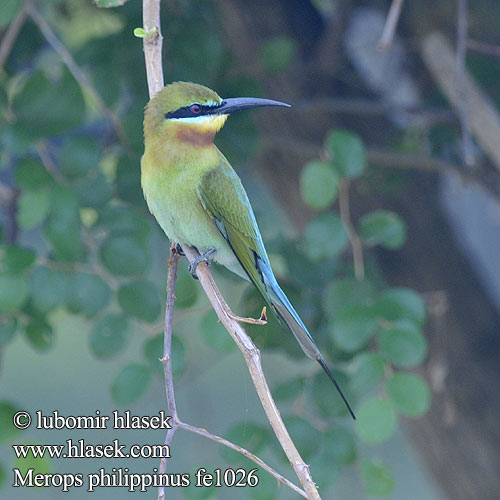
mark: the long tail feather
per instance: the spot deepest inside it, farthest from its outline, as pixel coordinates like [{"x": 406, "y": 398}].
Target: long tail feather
[{"x": 285, "y": 312}]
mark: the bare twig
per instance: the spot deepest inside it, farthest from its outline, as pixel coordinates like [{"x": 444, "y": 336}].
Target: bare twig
[
  {"x": 484, "y": 119},
  {"x": 483, "y": 48},
  {"x": 152, "y": 49},
  {"x": 393, "y": 159},
  {"x": 372, "y": 107},
  {"x": 11, "y": 35},
  {"x": 467, "y": 147},
  {"x": 75, "y": 70},
  {"x": 152, "y": 45},
  {"x": 390, "y": 25},
  {"x": 354, "y": 239},
  {"x": 243, "y": 451},
  {"x": 262, "y": 320},
  {"x": 173, "y": 262}
]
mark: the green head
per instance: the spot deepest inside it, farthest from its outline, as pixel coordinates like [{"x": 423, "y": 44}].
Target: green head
[{"x": 184, "y": 109}]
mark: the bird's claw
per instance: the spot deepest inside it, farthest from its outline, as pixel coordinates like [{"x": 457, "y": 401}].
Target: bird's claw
[
  {"x": 178, "y": 250},
  {"x": 196, "y": 261}
]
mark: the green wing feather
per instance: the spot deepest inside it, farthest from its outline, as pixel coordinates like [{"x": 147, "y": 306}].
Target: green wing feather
[{"x": 224, "y": 198}]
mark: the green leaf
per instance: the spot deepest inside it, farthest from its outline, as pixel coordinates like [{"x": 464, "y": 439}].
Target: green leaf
[
  {"x": 128, "y": 181},
  {"x": 401, "y": 304},
  {"x": 277, "y": 54},
  {"x": 325, "y": 397},
  {"x": 377, "y": 478},
  {"x": 9, "y": 10},
  {"x": 403, "y": 344},
  {"x": 8, "y": 327},
  {"x": 13, "y": 292},
  {"x": 178, "y": 356},
  {"x": 153, "y": 352},
  {"x": 3, "y": 476},
  {"x": 266, "y": 488},
  {"x": 124, "y": 221},
  {"x": 409, "y": 393},
  {"x": 384, "y": 228},
  {"x": 124, "y": 255},
  {"x": 130, "y": 384},
  {"x": 376, "y": 420},
  {"x": 47, "y": 107},
  {"x": 186, "y": 289},
  {"x": 325, "y": 237},
  {"x": 337, "y": 448},
  {"x": 345, "y": 293},
  {"x": 369, "y": 369},
  {"x": 7, "y": 428},
  {"x": 39, "y": 334},
  {"x": 289, "y": 390},
  {"x": 139, "y": 32},
  {"x": 347, "y": 152},
  {"x": 49, "y": 289},
  {"x": 140, "y": 299},
  {"x": 109, "y": 335},
  {"x": 94, "y": 191},
  {"x": 318, "y": 184},
  {"x": 78, "y": 157},
  {"x": 88, "y": 294},
  {"x": 32, "y": 207},
  {"x": 106, "y": 4},
  {"x": 254, "y": 437},
  {"x": 304, "y": 435},
  {"x": 214, "y": 334},
  {"x": 353, "y": 327},
  {"x": 31, "y": 175},
  {"x": 62, "y": 229},
  {"x": 39, "y": 465},
  {"x": 17, "y": 259}
]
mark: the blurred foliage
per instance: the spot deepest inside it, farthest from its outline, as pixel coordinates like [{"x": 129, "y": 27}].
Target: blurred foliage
[{"x": 79, "y": 238}]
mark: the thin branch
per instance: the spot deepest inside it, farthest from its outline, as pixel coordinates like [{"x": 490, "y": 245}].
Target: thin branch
[
  {"x": 243, "y": 451},
  {"x": 152, "y": 45},
  {"x": 371, "y": 107},
  {"x": 11, "y": 35},
  {"x": 173, "y": 262},
  {"x": 390, "y": 25},
  {"x": 483, "y": 48},
  {"x": 467, "y": 146},
  {"x": 394, "y": 159},
  {"x": 354, "y": 239},
  {"x": 484, "y": 119},
  {"x": 76, "y": 71},
  {"x": 152, "y": 49}
]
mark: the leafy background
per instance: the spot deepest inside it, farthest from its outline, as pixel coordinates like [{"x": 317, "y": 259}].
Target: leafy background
[{"x": 83, "y": 265}]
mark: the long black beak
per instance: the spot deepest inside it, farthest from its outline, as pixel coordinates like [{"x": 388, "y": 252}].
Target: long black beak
[{"x": 240, "y": 103}]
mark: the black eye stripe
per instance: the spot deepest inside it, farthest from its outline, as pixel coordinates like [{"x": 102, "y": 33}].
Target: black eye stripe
[{"x": 186, "y": 112}]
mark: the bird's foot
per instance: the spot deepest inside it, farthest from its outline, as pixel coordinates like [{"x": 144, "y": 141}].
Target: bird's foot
[
  {"x": 196, "y": 261},
  {"x": 178, "y": 250}
]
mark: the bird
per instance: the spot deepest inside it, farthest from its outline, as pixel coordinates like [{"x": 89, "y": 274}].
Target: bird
[{"x": 198, "y": 199}]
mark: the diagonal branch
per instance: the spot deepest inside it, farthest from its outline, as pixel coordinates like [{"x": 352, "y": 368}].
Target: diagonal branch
[
  {"x": 354, "y": 239},
  {"x": 390, "y": 25},
  {"x": 75, "y": 70},
  {"x": 11, "y": 35}
]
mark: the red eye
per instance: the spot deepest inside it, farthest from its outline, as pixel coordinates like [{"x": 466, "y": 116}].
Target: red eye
[{"x": 195, "y": 108}]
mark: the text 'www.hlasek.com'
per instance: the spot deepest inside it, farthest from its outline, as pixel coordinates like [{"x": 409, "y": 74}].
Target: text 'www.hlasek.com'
[{"x": 118, "y": 477}]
